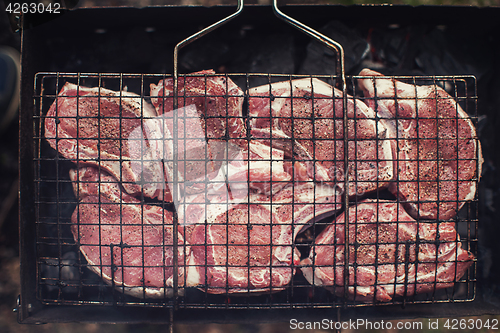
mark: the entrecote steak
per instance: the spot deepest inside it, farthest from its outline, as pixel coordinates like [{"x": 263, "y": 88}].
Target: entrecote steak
[
  {"x": 309, "y": 112},
  {"x": 390, "y": 254},
  {"x": 437, "y": 152}
]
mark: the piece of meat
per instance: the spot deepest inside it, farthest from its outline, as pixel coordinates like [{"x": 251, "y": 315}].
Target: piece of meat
[
  {"x": 216, "y": 98},
  {"x": 390, "y": 254},
  {"x": 437, "y": 153},
  {"x": 247, "y": 245},
  {"x": 310, "y": 113},
  {"x": 209, "y": 112},
  {"x": 212, "y": 147},
  {"x": 93, "y": 126},
  {"x": 128, "y": 244},
  {"x": 191, "y": 163},
  {"x": 110, "y": 223}
]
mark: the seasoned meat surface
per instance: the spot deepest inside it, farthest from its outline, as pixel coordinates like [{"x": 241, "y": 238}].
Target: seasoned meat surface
[
  {"x": 247, "y": 246},
  {"x": 390, "y": 254},
  {"x": 437, "y": 152},
  {"x": 93, "y": 126},
  {"x": 309, "y": 112}
]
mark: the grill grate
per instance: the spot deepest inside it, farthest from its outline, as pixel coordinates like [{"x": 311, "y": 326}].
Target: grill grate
[{"x": 65, "y": 275}]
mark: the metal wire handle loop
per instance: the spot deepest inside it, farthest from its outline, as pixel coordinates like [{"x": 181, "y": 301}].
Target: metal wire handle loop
[
  {"x": 330, "y": 43},
  {"x": 198, "y": 35}
]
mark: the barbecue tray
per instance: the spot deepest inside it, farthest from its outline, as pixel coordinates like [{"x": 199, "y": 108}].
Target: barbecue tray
[{"x": 61, "y": 280}]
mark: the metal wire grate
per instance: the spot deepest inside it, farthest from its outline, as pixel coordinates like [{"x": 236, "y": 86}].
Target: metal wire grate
[{"x": 66, "y": 275}]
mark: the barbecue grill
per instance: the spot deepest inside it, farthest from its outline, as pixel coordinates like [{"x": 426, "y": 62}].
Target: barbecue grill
[{"x": 57, "y": 278}]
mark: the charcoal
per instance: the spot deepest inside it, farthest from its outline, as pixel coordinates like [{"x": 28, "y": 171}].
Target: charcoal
[
  {"x": 394, "y": 48},
  {"x": 444, "y": 52},
  {"x": 273, "y": 53},
  {"x": 215, "y": 54},
  {"x": 62, "y": 274},
  {"x": 322, "y": 60}
]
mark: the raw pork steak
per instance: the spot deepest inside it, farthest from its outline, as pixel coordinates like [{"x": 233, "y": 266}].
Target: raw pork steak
[
  {"x": 208, "y": 111},
  {"x": 438, "y": 155},
  {"x": 212, "y": 146},
  {"x": 247, "y": 246},
  {"x": 310, "y": 112},
  {"x": 128, "y": 244},
  {"x": 384, "y": 244},
  {"x": 92, "y": 125},
  {"x": 217, "y": 99}
]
